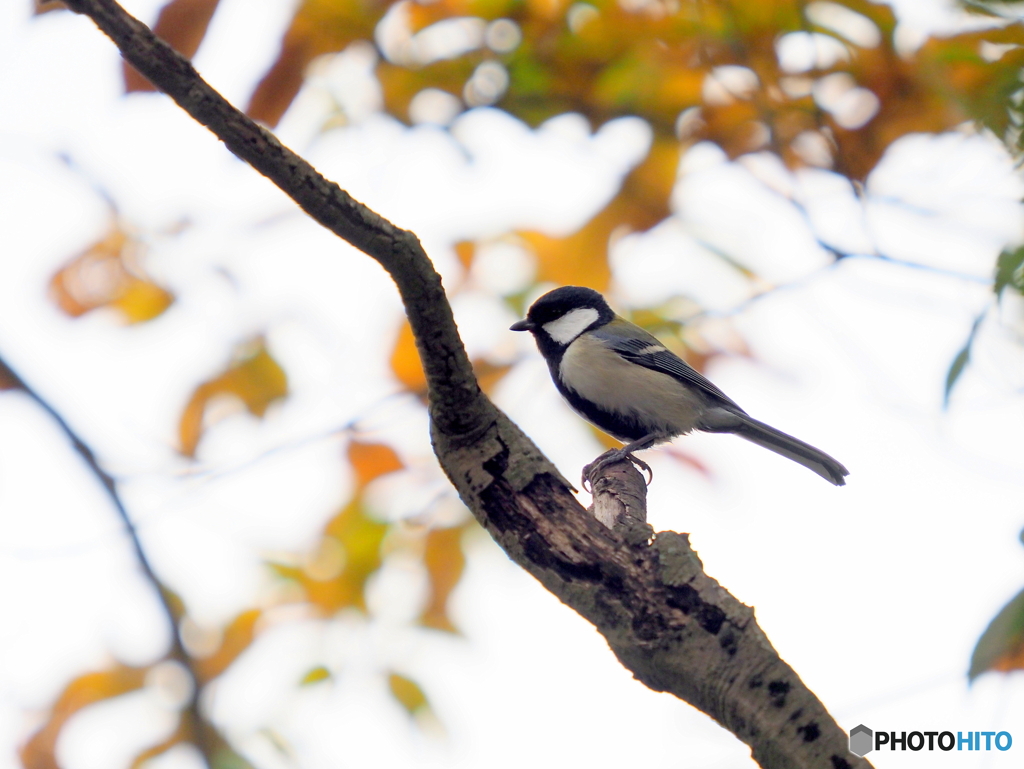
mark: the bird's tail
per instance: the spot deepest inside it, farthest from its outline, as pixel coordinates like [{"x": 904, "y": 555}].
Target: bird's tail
[{"x": 786, "y": 445}]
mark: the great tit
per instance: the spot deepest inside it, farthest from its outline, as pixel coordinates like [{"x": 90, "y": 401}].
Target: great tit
[{"x": 623, "y": 380}]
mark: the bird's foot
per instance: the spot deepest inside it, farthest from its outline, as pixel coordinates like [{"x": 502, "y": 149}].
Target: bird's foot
[{"x": 611, "y": 457}]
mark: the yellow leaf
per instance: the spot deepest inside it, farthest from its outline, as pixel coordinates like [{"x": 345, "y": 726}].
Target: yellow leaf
[
  {"x": 360, "y": 537},
  {"x": 316, "y": 675},
  {"x": 372, "y": 460},
  {"x": 141, "y": 301},
  {"x": 256, "y": 379},
  {"x": 444, "y": 561},
  {"x": 408, "y": 693}
]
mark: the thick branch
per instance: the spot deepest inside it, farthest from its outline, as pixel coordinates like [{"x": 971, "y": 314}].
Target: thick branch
[{"x": 673, "y": 626}]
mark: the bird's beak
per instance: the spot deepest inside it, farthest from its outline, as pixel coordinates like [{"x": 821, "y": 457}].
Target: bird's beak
[{"x": 523, "y": 325}]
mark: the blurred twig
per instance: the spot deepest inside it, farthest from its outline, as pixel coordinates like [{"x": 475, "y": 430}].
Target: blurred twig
[{"x": 194, "y": 726}]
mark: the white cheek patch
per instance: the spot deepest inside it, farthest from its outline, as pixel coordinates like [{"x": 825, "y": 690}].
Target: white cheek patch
[{"x": 570, "y": 325}]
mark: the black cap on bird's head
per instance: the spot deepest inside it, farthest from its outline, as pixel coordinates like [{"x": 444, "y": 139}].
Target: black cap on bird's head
[{"x": 565, "y": 313}]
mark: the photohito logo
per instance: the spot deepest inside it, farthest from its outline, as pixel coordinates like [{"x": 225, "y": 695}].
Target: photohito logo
[{"x": 863, "y": 740}]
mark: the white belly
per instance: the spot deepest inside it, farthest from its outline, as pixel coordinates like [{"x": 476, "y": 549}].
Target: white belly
[{"x": 626, "y": 388}]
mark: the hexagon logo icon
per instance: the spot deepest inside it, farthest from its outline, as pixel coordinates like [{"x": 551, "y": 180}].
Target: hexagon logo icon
[{"x": 860, "y": 740}]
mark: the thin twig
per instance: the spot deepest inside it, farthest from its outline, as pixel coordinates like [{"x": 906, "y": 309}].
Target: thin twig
[{"x": 199, "y": 728}]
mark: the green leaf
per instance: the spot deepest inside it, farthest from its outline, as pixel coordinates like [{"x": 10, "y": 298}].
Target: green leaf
[
  {"x": 1010, "y": 271},
  {"x": 1001, "y": 646},
  {"x": 960, "y": 361}
]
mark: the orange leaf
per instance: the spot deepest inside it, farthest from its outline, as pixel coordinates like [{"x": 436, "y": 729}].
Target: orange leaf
[
  {"x": 237, "y": 638},
  {"x": 444, "y": 561},
  {"x": 372, "y": 460},
  {"x": 38, "y": 752},
  {"x": 256, "y": 379},
  {"x": 465, "y": 250},
  {"x": 182, "y": 24},
  {"x": 107, "y": 275},
  {"x": 405, "y": 362}
]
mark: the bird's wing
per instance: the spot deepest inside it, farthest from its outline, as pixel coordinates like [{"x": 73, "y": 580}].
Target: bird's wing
[{"x": 639, "y": 347}]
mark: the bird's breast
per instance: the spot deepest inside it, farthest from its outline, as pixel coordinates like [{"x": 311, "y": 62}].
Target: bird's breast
[{"x": 636, "y": 400}]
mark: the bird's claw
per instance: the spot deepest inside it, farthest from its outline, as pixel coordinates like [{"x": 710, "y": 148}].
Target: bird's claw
[{"x": 610, "y": 457}]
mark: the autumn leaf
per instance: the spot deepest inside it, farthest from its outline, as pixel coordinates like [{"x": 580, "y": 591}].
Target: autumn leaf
[
  {"x": 444, "y": 561},
  {"x": 107, "y": 274},
  {"x": 582, "y": 257},
  {"x": 237, "y": 637},
  {"x": 318, "y": 27},
  {"x": 315, "y": 676},
  {"x": 405, "y": 362},
  {"x": 408, "y": 370},
  {"x": 255, "y": 378},
  {"x": 38, "y": 752},
  {"x": 372, "y": 460},
  {"x": 408, "y": 693},
  {"x": 359, "y": 538}
]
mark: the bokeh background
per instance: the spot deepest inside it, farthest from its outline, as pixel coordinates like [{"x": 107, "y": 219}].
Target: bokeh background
[{"x": 813, "y": 203}]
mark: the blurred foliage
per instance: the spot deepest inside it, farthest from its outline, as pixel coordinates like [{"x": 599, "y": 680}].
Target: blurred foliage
[
  {"x": 109, "y": 274},
  {"x": 38, "y": 752},
  {"x": 316, "y": 675},
  {"x": 820, "y": 84},
  {"x": 1001, "y": 646},
  {"x": 408, "y": 693},
  {"x": 254, "y": 378},
  {"x": 408, "y": 370},
  {"x": 443, "y": 558},
  {"x": 45, "y": 6}
]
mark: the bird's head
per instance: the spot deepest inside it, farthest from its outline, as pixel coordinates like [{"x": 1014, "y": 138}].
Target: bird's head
[{"x": 558, "y": 317}]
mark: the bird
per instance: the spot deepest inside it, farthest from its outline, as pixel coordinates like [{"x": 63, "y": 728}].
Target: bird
[{"x": 624, "y": 381}]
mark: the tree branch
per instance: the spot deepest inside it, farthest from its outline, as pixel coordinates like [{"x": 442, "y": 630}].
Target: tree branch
[{"x": 673, "y": 626}]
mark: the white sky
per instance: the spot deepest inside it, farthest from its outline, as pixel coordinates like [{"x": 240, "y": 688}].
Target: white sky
[{"x": 874, "y": 593}]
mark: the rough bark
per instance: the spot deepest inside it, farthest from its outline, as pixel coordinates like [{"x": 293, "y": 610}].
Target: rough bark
[{"x": 669, "y": 623}]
